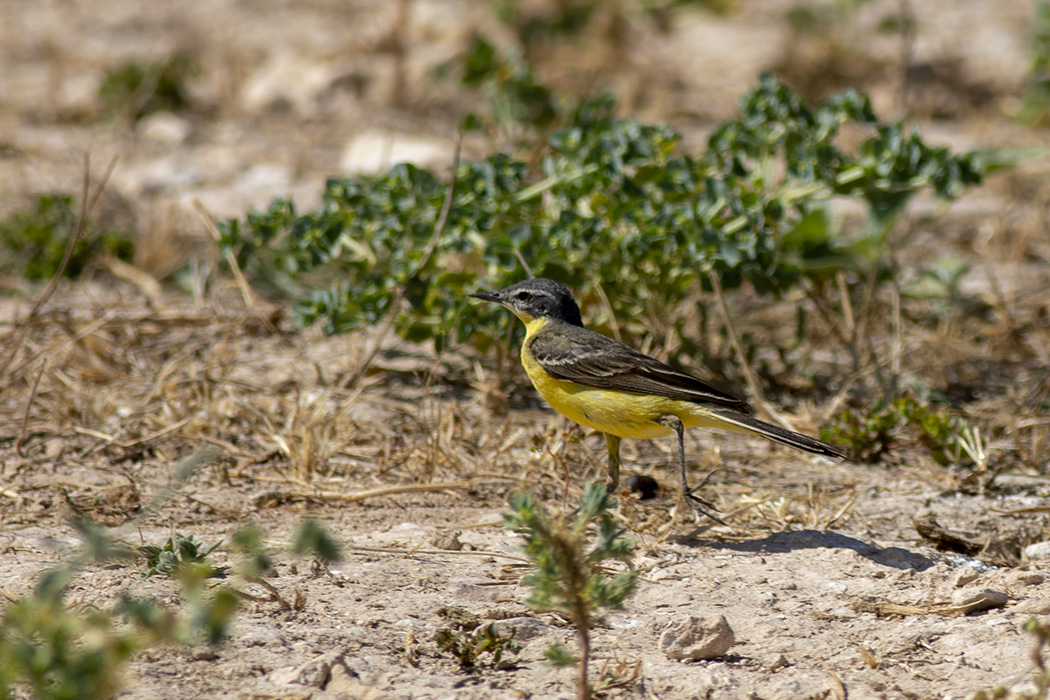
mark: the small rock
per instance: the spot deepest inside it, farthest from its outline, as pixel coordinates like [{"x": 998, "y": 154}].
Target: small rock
[
  {"x": 1028, "y": 578},
  {"x": 410, "y": 528},
  {"x": 165, "y": 174},
  {"x": 261, "y": 176},
  {"x": 314, "y": 673},
  {"x": 979, "y": 599},
  {"x": 777, "y": 662},
  {"x": 76, "y": 96},
  {"x": 897, "y": 558},
  {"x": 965, "y": 575},
  {"x": 619, "y": 622},
  {"x": 164, "y": 128},
  {"x": 1040, "y": 551},
  {"x": 346, "y": 683},
  {"x": 523, "y": 628},
  {"x": 1033, "y": 606},
  {"x": 697, "y": 638},
  {"x": 54, "y": 448},
  {"x": 959, "y": 561},
  {"x": 286, "y": 81},
  {"x": 260, "y": 638},
  {"x": 292, "y": 675},
  {"x": 445, "y": 539}
]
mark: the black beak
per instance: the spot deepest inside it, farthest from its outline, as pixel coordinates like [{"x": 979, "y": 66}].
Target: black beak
[{"x": 487, "y": 296}]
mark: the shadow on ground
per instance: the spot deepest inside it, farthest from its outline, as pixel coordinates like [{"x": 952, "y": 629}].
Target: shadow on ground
[{"x": 780, "y": 542}]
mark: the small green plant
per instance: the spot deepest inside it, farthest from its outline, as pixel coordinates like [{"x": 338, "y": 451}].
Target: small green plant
[
  {"x": 65, "y": 652},
  {"x": 177, "y": 554},
  {"x": 38, "y": 238},
  {"x": 870, "y": 435},
  {"x": 137, "y": 88},
  {"x": 569, "y": 576},
  {"x": 467, "y": 646},
  {"x": 60, "y": 653},
  {"x": 310, "y": 537},
  {"x": 252, "y": 559}
]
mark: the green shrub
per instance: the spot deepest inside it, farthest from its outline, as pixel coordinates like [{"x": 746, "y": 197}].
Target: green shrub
[
  {"x": 467, "y": 646},
  {"x": 613, "y": 203},
  {"x": 137, "y": 88},
  {"x": 873, "y": 433},
  {"x": 62, "y": 652},
  {"x": 38, "y": 239}
]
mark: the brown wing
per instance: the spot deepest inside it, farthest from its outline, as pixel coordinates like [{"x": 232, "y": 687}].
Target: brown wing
[{"x": 580, "y": 355}]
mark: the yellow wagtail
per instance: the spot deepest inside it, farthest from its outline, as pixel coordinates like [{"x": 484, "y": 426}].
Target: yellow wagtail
[{"x": 603, "y": 384}]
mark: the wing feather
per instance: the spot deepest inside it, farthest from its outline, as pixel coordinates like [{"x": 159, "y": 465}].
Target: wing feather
[{"x": 583, "y": 356}]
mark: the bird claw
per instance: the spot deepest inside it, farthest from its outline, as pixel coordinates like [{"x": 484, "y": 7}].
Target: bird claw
[{"x": 703, "y": 507}]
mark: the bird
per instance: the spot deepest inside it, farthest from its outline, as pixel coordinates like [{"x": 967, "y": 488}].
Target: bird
[{"x": 608, "y": 386}]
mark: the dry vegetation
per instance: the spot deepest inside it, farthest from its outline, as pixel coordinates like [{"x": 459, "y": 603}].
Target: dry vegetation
[{"x": 167, "y": 395}]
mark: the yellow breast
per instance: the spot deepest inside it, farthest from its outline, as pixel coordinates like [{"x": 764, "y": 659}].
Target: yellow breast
[{"x": 615, "y": 412}]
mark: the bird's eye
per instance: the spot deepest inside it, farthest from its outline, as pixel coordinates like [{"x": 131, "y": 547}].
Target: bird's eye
[{"x": 522, "y": 295}]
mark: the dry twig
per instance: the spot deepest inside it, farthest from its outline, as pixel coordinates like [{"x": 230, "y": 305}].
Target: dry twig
[
  {"x": 752, "y": 383},
  {"x": 245, "y": 289},
  {"x": 25, "y": 414},
  {"x": 379, "y": 492},
  {"x": 399, "y": 294},
  {"x": 242, "y": 282},
  {"x": 454, "y": 552}
]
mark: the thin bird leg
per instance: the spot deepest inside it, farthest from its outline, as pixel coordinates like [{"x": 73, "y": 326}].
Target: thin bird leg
[
  {"x": 613, "y": 443},
  {"x": 700, "y": 505}
]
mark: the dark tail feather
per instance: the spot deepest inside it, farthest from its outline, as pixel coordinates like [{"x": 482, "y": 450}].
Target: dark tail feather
[{"x": 781, "y": 435}]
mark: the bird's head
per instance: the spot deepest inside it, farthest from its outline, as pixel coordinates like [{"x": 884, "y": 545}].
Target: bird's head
[{"x": 537, "y": 299}]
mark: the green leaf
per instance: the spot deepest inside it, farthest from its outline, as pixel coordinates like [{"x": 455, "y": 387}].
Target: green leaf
[
  {"x": 558, "y": 655},
  {"x": 311, "y": 538}
]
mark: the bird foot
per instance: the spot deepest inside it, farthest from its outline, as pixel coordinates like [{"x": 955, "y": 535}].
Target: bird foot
[{"x": 703, "y": 507}]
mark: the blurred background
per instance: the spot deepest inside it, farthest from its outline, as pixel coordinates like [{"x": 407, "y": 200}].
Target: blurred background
[{"x": 235, "y": 103}]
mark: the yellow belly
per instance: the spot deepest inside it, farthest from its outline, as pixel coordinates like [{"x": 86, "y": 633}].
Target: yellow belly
[{"x": 618, "y": 413}]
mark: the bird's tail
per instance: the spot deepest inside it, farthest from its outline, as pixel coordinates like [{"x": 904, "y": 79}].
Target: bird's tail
[{"x": 750, "y": 424}]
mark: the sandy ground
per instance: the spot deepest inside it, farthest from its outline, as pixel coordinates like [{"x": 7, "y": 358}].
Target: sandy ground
[{"x": 815, "y": 555}]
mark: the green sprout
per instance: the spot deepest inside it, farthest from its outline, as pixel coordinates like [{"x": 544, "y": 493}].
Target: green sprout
[
  {"x": 179, "y": 555},
  {"x": 569, "y": 576},
  {"x": 467, "y": 646}
]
